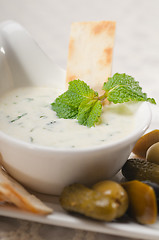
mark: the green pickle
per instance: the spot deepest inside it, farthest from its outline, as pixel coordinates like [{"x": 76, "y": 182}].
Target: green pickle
[
  {"x": 91, "y": 203},
  {"x": 141, "y": 170}
]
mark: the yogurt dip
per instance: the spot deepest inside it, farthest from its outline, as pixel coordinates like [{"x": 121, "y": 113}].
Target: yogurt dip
[{"x": 26, "y": 114}]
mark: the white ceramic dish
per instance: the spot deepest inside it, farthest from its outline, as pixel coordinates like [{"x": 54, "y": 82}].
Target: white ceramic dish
[{"x": 44, "y": 169}]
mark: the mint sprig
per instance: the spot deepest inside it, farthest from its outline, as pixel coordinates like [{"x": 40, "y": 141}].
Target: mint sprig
[
  {"x": 123, "y": 88},
  {"x": 83, "y": 103}
]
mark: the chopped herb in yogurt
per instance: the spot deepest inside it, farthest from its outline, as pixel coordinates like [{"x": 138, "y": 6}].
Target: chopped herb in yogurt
[
  {"x": 36, "y": 123},
  {"x": 18, "y": 117}
]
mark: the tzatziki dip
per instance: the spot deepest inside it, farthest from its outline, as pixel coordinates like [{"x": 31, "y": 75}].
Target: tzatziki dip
[{"x": 26, "y": 114}]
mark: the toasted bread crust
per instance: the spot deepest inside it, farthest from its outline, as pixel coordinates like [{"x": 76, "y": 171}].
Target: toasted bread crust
[{"x": 90, "y": 52}]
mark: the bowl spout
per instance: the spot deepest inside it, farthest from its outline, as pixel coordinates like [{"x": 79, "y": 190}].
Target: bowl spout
[{"x": 27, "y": 64}]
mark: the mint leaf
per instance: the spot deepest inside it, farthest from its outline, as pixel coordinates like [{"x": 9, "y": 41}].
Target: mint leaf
[
  {"x": 123, "y": 88},
  {"x": 89, "y": 112},
  {"x": 64, "y": 110},
  {"x": 94, "y": 114},
  {"x": 151, "y": 100},
  {"x": 82, "y": 89},
  {"x": 82, "y": 103},
  {"x": 67, "y": 104}
]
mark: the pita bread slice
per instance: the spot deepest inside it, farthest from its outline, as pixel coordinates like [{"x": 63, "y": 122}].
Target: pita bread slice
[
  {"x": 90, "y": 52},
  {"x": 12, "y": 192}
]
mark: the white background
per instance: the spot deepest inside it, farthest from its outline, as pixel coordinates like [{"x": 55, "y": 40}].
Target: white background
[{"x": 137, "y": 36}]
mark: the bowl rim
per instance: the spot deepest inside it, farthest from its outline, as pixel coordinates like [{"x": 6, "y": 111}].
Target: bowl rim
[{"x": 130, "y": 138}]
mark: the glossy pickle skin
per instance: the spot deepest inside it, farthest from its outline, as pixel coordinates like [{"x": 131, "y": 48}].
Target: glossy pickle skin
[
  {"x": 142, "y": 195},
  {"x": 89, "y": 202},
  {"x": 115, "y": 191},
  {"x": 142, "y": 202},
  {"x": 145, "y": 142},
  {"x": 141, "y": 170},
  {"x": 155, "y": 187},
  {"x": 152, "y": 154}
]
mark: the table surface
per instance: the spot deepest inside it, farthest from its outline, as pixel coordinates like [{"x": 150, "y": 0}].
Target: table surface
[{"x": 136, "y": 53}]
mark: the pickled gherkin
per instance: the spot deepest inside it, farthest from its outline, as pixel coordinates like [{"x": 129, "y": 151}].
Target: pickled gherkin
[
  {"x": 91, "y": 203},
  {"x": 141, "y": 170},
  {"x": 142, "y": 201}
]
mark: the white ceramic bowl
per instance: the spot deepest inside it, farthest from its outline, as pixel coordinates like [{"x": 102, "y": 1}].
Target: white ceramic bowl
[{"x": 45, "y": 169}]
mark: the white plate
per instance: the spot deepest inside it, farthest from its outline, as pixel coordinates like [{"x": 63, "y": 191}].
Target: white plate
[{"x": 126, "y": 227}]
